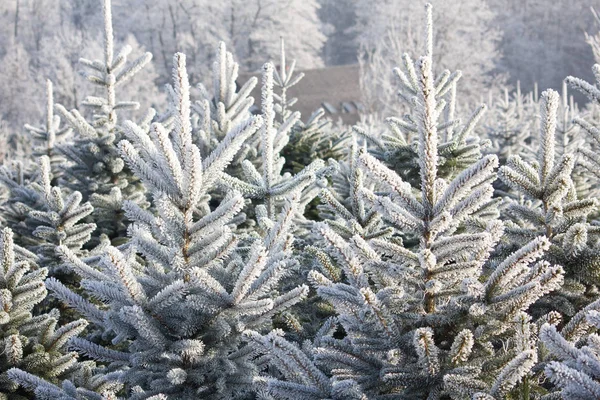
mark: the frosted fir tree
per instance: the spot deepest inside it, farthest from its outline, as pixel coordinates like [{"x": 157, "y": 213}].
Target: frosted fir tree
[
  {"x": 96, "y": 167},
  {"x": 21, "y": 197},
  {"x": 226, "y": 106},
  {"x": 458, "y": 147},
  {"x": 508, "y": 125},
  {"x": 16, "y": 175},
  {"x": 271, "y": 184},
  {"x": 570, "y": 138},
  {"x": 179, "y": 296},
  {"x": 575, "y": 350},
  {"x": 513, "y": 124},
  {"x": 222, "y": 109},
  {"x": 314, "y": 139},
  {"x": 48, "y": 134},
  {"x": 588, "y": 157},
  {"x": 34, "y": 344},
  {"x": 552, "y": 208},
  {"x": 59, "y": 222},
  {"x": 422, "y": 320},
  {"x": 567, "y": 131},
  {"x": 344, "y": 207},
  {"x": 44, "y": 217},
  {"x": 306, "y": 141}
]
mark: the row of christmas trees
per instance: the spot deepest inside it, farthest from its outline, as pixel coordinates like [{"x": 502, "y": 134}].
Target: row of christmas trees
[{"x": 204, "y": 252}]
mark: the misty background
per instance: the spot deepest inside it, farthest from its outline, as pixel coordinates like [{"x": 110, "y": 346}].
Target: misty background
[{"x": 496, "y": 43}]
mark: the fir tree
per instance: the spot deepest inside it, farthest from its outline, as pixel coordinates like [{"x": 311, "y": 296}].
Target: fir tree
[
  {"x": 261, "y": 155},
  {"x": 181, "y": 243},
  {"x": 575, "y": 350},
  {"x": 458, "y": 147},
  {"x": 43, "y": 218},
  {"x": 33, "y": 344},
  {"x": 224, "y": 108},
  {"x": 17, "y": 176},
  {"x": 96, "y": 169},
  {"x": 310, "y": 140},
  {"x": 588, "y": 158},
  {"x": 21, "y": 198},
  {"x": 552, "y": 209},
  {"x": 422, "y": 320},
  {"x": 59, "y": 220},
  {"x": 177, "y": 314},
  {"x": 508, "y": 126},
  {"x": 270, "y": 185},
  {"x": 48, "y": 134},
  {"x": 343, "y": 205}
]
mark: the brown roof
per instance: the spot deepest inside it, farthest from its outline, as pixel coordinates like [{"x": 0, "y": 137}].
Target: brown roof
[{"x": 335, "y": 89}]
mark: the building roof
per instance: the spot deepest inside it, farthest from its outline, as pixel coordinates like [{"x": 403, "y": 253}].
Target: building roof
[{"x": 335, "y": 89}]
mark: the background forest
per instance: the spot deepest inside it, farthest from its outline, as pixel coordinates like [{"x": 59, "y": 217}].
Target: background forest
[
  {"x": 497, "y": 42},
  {"x": 172, "y": 226}
]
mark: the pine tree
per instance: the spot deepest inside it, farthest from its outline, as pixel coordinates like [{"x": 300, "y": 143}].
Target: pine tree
[
  {"x": 96, "y": 169},
  {"x": 458, "y": 147},
  {"x": 552, "y": 209},
  {"x": 182, "y": 243},
  {"x": 48, "y": 134},
  {"x": 421, "y": 320},
  {"x": 34, "y": 344},
  {"x": 575, "y": 349},
  {"x": 272, "y": 185},
  {"x": 177, "y": 313}
]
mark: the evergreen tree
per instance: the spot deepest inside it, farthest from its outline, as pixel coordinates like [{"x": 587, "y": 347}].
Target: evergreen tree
[
  {"x": 96, "y": 169},
  {"x": 177, "y": 313},
  {"x": 272, "y": 184},
  {"x": 21, "y": 198},
  {"x": 508, "y": 125},
  {"x": 181, "y": 244},
  {"x": 575, "y": 349},
  {"x": 422, "y": 320},
  {"x": 222, "y": 109},
  {"x": 33, "y": 344},
  {"x": 343, "y": 205},
  {"x": 552, "y": 209},
  {"x": 58, "y": 220},
  {"x": 458, "y": 146},
  {"x": 306, "y": 141},
  {"x": 219, "y": 112},
  {"x": 588, "y": 157},
  {"x": 48, "y": 134}
]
